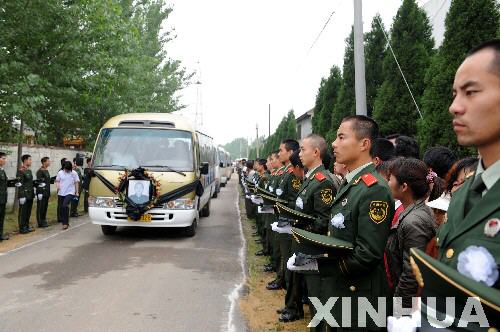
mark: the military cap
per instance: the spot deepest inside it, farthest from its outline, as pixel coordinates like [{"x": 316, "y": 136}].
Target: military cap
[
  {"x": 317, "y": 245},
  {"x": 268, "y": 197},
  {"x": 439, "y": 280},
  {"x": 298, "y": 219}
]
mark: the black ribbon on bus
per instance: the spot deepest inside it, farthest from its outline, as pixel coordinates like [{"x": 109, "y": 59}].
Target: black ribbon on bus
[{"x": 135, "y": 211}]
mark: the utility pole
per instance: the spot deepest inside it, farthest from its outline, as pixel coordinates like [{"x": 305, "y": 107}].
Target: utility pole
[
  {"x": 359, "y": 59},
  {"x": 269, "y": 122},
  {"x": 257, "y": 142}
]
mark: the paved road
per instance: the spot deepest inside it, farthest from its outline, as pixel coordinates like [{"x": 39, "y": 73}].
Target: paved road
[{"x": 137, "y": 280}]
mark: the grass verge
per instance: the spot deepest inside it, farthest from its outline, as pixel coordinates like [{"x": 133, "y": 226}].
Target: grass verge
[{"x": 259, "y": 305}]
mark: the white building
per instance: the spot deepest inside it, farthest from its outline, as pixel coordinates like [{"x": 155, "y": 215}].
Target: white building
[{"x": 304, "y": 124}]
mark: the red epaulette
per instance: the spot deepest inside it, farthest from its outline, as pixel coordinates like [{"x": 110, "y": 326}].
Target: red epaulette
[
  {"x": 290, "y": 170},
  {"x": 280, "y": 172},
  {"x": 320, "y": 176},
  {"x": 369, "y": 179}
]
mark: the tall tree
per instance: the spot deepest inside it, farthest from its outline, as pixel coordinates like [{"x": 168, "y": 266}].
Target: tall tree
[
  {"x": 287, "y": 128},
  {"x": 468, "y": 23},
  {"x": 346, "y": 101},
  {"x": 412, "y": 42},
  {"x": 328, "y": 93},
  {"x": 374, "y": 57},
  {"x": 237, "y": 148}
]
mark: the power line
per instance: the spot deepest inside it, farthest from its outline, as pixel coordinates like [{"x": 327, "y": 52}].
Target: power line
[{"x": 399, "y": 67}]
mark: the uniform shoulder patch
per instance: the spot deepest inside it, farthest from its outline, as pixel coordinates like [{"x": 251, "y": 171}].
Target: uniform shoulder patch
[
  {"x": 378, "y": 211},
  {"x": 280, "y": 172},
  {"x": 369, "y": 179},
  {"x": 290, "y": 170},
  {"x": 320, "y": 176},
  {"x": 327, "y": 196}
]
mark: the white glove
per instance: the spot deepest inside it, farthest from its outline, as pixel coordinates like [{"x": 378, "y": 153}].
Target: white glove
[
  {"x": 40, "y": 197},
  {"x": 403, "y": 324},
  {"x": 311, "y": 266},
  {"x": 22, "y": 200},
  {"x": 282, "y": 230}
]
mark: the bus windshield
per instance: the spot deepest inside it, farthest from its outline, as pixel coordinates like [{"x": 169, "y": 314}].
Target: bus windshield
[{"x": 133, "y": 147}]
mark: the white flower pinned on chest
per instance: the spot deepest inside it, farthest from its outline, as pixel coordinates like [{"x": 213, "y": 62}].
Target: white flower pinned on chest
[
  {"x": 479, "y": 264},
  {"x": 279, "y": 192},
  {"x": 271, "y": 189},
  {"x": 299, "y": 203},
  {"x": 338, "y": 221}
]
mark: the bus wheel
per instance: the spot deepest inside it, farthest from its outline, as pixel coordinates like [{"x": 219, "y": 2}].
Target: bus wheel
[
  {"x": 108, "y": 230},
  {"x": 205, "y": 212},
  {"x": 190, "y": 231}
]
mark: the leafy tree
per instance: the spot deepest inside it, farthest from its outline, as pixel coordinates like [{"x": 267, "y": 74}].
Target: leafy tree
[
  {"x": 346, "y": 101},
  {"x": 468, "y": 23},
  {"x": 67, "y": 66},
  {"x": 412, "y": 42},
  {"x": 374, "y": 57},
  {"x": 287, "y": 128},
  {"x": 328, "y": 92},
  {"x": 237, "y": 148}
]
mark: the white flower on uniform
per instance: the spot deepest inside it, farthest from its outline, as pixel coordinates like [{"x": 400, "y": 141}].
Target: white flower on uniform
[
  {"x": 338, "y": 221},
  {"x": 271, "y": 189},
  {"x": 479, "y": 264},
  {"x": 299, "y": 203},
  {"x": 279, "y": 192}
]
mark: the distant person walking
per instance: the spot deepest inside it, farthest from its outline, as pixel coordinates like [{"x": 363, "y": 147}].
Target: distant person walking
[{"x": 67, "y": 182}]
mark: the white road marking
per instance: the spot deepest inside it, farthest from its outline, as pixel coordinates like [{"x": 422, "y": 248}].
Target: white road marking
[
  {"x": 235, "y": 293},
  {"x": 43, "y": 239}
]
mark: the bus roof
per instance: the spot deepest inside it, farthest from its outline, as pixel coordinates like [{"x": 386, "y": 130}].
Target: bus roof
[{"x": 151, "y": 120}]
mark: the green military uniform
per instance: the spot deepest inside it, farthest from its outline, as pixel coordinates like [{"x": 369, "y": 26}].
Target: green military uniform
[
  {"x": 74, "y": 204},
  {"x": 3, "y": 199},
  {"x": 261, "y": 225},
  {"x": 473, "y": 223},
  {"x": 25, "y": 176},
  {"x": 440, "y": 281},
  {"x": 315, "y": 198},
  {"x": 287, "y": 190},
  {"x": 43, "y": 176},
  {"x": 361, "y": 214},
  {"x": 269, "y": 219},
  {"x": 471, "y": 231}
]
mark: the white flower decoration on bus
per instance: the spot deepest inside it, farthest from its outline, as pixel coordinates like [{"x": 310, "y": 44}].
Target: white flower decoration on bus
[{"x": 479, "y": 264}]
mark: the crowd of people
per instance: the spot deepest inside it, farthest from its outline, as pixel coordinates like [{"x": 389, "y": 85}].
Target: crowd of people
[
  {"x": 357, "y": 224},
  {"x": 71, "y": 180}
]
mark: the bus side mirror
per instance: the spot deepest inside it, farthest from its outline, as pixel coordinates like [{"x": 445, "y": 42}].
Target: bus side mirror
[
  {"x": 221, "y": 164},
  {"x": 204, "y": 168}
]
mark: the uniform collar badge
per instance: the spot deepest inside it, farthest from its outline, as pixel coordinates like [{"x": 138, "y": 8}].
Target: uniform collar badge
[{"x": 492, "y": 227}]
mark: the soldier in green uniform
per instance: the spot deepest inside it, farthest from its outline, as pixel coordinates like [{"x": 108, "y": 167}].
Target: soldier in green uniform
[
  {"x": 263, "y": 179},
  {"x": 271, "y": 236},
  {"x": 361, "y": 214},
  {"x": 74, "y": 203},
  {"x": 43, "y": 193},
  {"x": 287, "y": 190},
  {"x": 471, "y": 231},
  {"x": 4, "y": 183},
  {"x": 25, "y": 194},
  {"x": 315, "y": 198}
]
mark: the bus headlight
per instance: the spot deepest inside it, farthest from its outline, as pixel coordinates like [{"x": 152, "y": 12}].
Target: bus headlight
[
  {"x": 180, "y": 204},
  {"x": 102, "y": 202}
]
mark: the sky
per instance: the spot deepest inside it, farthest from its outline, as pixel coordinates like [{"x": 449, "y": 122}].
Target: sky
[{"x": 251, "y": 54}]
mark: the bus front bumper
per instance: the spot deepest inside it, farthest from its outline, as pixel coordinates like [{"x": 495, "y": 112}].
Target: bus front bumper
[{"x": 159, "y": 217}]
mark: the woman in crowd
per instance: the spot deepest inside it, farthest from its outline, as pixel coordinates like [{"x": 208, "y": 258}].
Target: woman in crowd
[
  {"x": 459, "y": 172},
  {"x": 67, "y": 182},
  {"x": 410, "y": 183}
]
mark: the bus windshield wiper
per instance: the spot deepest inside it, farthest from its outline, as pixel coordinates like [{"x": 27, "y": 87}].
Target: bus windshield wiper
[
  {"x": 164, "y": 166},
  {"x": 109, "y": 166}
]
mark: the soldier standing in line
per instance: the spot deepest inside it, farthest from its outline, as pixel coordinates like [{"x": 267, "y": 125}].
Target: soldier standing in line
[
  {"x": 287, "y": 190},
  {"x": 361, "y": 214},
  {"x": 75, "y": 203},
  {"x": 25, "y": 194},
  {"x": 43, "y": 193},
  {"x": 4, "y": 183}
]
